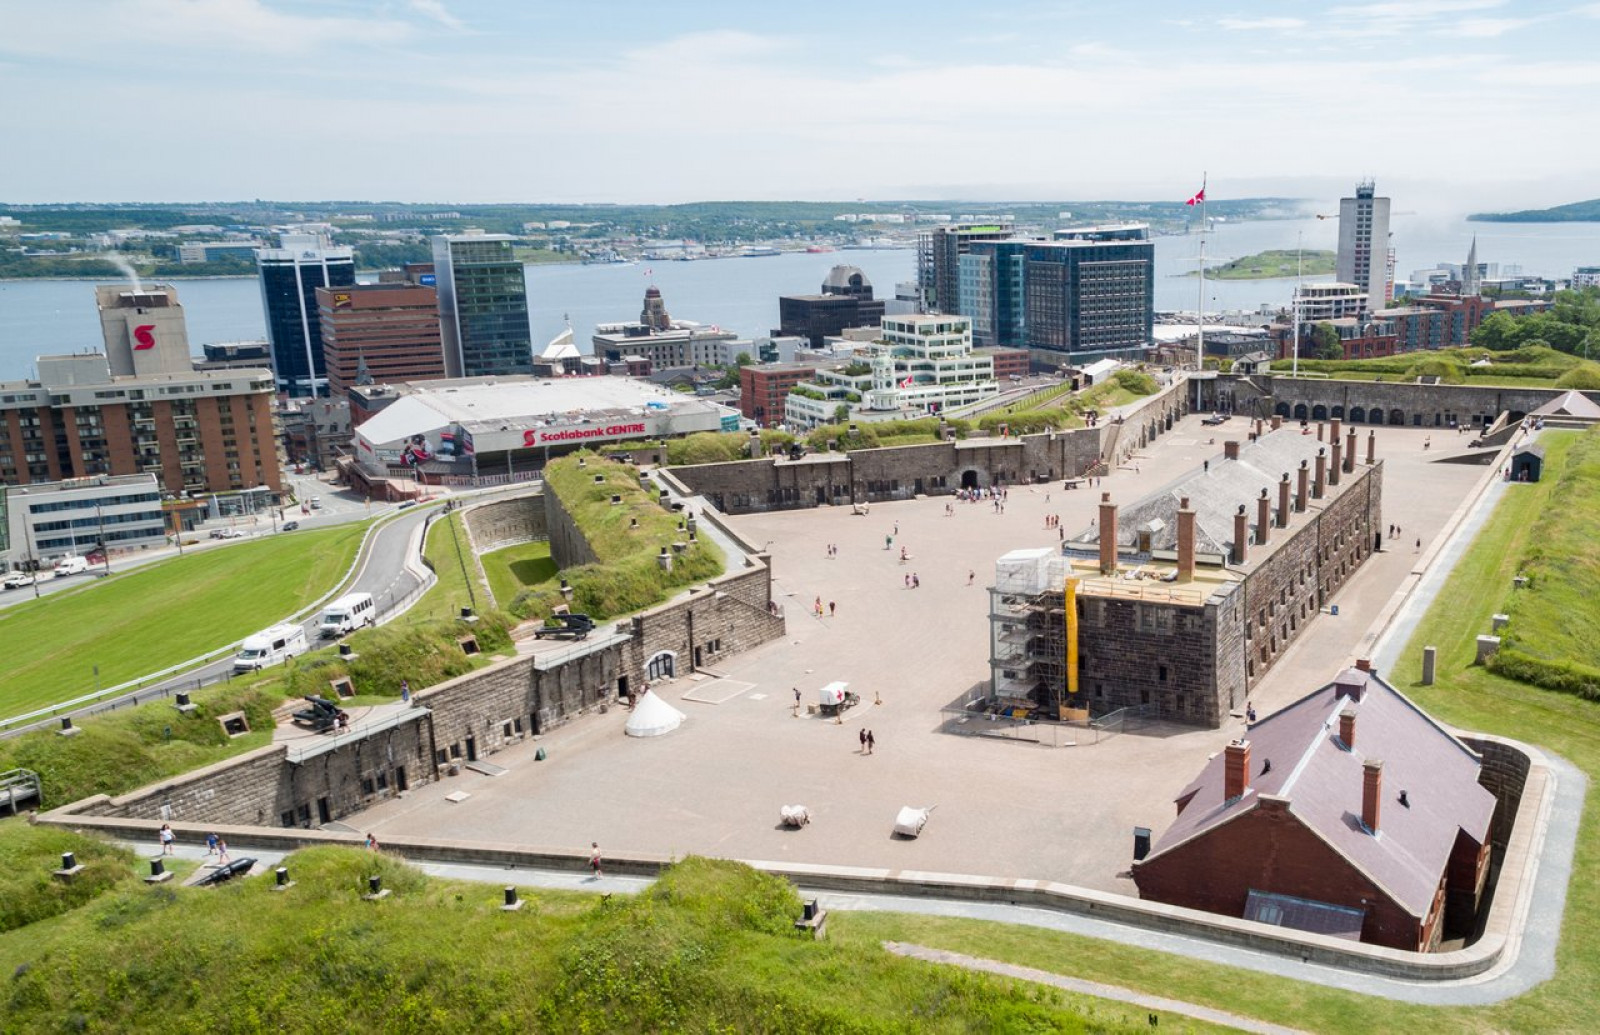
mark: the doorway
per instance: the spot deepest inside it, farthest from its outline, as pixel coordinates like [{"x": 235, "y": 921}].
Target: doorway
[
  {"x": 969, "y": 480},
  {"x": 472, "y": 749}
]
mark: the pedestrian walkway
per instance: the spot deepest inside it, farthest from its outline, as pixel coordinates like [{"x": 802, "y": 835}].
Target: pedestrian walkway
[{"x": 1081, "y": 987}]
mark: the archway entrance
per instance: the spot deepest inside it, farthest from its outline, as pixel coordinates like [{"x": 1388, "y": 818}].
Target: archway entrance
[{"x": 969, "y": 479}]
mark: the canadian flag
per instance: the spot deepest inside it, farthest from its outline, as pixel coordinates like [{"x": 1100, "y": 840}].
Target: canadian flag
[
  {"x": 906, "y": 383},
  {"x": 1200, "y": 196}
]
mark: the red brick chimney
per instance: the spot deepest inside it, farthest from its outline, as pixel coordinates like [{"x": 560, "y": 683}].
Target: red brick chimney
[
  {"x": 1277, "y": 421},
  {"x": 1283, "y": 501},
  {"x": 1319, "y": 484},
  {"x": 1185, "y": 541},
  {"x": 1347, "y": 729},
  {"x": 1259, "y": 428},
  {"x": 1319, "y": 431},
  {"x": 1263, "y": 518},
  {"x": 1235, "y": 769},
  {"x": 1241, "y": 536},
  {"x": 1333, "y": 429},
  {"x": 1364, "y": 664},
  {"x": 1350, "y": 451},
  {"x": 1108, "y": 535},
  {"x": 1372, "y": 447},
  {"x": 1302, "y": 480},
  {"x": 1335, "y": 462},
  {"x": 1230, "y": 449},
  {"x": 1371, "y": 793}
]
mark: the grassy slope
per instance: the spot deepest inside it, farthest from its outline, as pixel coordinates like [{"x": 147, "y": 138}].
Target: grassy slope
[
  {"x": 1466, "y": 696},
  {"x": 708, "y": 949},
  {"x": 147, "y": 618},
  {"x": 450, "y": 553},
  {"x": 516, "y": 568}
]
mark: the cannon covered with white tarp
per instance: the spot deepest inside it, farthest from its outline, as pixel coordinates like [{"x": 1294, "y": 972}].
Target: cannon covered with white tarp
[
  {"x": 794, "y": 815},
  {"x": 910, "y": 821}
]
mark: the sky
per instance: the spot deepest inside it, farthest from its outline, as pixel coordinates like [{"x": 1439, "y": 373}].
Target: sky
[{"x": 1469, "y": 103}]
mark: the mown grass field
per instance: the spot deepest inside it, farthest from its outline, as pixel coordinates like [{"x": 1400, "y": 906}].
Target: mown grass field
[
  {"x": 449, "y": 553},
  {"x": 145, "y": 619},
  {"x": 709, "y": 948},
  {"x": 516, "y": 568},
  {"x": 1466, "y": 696}
]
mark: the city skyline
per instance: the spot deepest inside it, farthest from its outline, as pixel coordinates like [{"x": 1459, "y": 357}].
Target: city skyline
[{"x": 433, "y": 100}]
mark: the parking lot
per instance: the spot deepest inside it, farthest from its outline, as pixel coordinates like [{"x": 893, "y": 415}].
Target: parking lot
[{"x": 1005, "y": 808}]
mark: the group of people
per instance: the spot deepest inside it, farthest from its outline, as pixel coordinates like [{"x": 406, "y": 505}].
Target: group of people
[
  {"x": 215, "y": 846},
  {"x": 868, "y": 741}
]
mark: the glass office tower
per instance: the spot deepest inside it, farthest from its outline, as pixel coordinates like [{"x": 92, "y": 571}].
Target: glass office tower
[
  {"x": 483, "y": 305},
  {"x": 290, "y": 276}
]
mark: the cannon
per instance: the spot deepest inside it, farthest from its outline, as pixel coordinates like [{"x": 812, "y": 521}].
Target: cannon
[{"x": 321, "y": 716}]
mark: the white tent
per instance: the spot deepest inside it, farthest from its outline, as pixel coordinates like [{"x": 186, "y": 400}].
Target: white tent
[{"x": 652, "y": 717}]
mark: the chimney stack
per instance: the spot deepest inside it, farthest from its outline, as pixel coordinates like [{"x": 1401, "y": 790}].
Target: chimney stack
[
  {"x": 1259, "y": 427},
  {"x": 1350, "y": 451},
  {"x": 1371, "y": 793},
  {"x": 1319, "y": 484},
  {"x": 1236, "y": 769},
  {"x": 1241, "y": 536},
  {"x": 1263, "y": 518},
  {"x": 1108, "y": 535},
  {"x": 1333, "y": 429},
  {"x": 1364, "y": 664},
  {"x": 1185, "y": 541},
  {"x": 1230, "y": 449},
  {"x": 1319, "y": 431},
  {"x": 1335, "y": 462},
  {"x": 1277, "y": 421},
  {"x": 1347, "y": 729},
  {"x": 1283, "y": 501},
  {"x": 1372, "y": 447},
  {"x": 1302, "y": 479}
]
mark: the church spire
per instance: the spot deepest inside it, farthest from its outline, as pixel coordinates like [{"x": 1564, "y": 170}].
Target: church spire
[{"x": 1471, "y": 282}]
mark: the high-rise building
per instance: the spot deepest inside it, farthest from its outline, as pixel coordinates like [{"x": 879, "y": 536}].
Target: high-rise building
[
  {"x": 382, "y": 332},
  {"x": 290, "y": 276},
  {"x": 846, "y": 301},
  {"x": 939, "y": 252},
  {"x": 483, "y": 305},
  {"x": 1364, "y": 244},
  {"x": 144, "y": 329},
  {"x": 1086, "y": 294}
]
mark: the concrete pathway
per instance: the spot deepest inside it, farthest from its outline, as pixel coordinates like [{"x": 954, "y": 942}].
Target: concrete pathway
[{"x": 1094, "y": 988}]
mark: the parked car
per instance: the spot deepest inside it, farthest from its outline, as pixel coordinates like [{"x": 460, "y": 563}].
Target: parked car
[
  {"x": 316, "y": 503},
  {"x": 290, "y": 526},
  {"x": 18, "y": 579}
]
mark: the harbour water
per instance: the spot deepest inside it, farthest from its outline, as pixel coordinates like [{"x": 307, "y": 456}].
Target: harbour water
[{"x": 41, "y": 317}]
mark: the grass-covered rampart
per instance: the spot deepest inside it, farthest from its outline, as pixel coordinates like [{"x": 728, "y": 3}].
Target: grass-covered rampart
[
  {"x": 626, "y": 538},
  {"x": 708, "y": 948}
]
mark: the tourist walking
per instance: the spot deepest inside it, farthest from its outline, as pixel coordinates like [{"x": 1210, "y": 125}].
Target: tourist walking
[
  {"x": 168, "y": 840},
  {"x": 594, "y": 860},
  {"x": 222, "y": 852},
  {"x": 372, "y": 843},
  {"x": 871, "y": 742},
  {"x": 862, "y": 736}
]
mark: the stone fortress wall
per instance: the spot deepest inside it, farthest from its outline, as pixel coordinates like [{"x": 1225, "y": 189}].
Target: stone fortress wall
[{"x": 1371, "y": 402}]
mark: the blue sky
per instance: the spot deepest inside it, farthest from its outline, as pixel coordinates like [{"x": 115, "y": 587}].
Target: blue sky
[{"x": 1470, "y": 102}]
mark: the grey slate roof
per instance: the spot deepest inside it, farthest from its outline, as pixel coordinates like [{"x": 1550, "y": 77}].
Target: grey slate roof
[
  {"x": 1216, "y": 493},
  {"x": 1570, "y": 404},
  {"x": 1323, "y": 784}
]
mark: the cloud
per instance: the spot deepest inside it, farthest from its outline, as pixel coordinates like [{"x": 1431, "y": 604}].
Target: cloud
[
  {"x": 1485, "y": 28},
  {"x": 436, "y": 10},
  {"x": 1270, "y": 24},
  {"x": 1415, "y": 10}
]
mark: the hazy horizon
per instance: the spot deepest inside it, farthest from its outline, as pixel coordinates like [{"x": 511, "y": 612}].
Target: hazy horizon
[{"x": 455, "y": 102}]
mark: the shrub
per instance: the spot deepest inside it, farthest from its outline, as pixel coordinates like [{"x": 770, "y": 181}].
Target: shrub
[
  {"x": 1136, "y": 381},
  {"x": 1567, "y": 677}
]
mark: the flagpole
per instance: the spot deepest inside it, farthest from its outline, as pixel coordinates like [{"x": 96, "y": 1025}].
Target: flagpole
[{"x": 1200, "y": 309}]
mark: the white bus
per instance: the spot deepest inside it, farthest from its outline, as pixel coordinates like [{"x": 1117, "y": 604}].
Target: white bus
[
  {"x": 347, "y": 614},
  {"x": 270, "y": 646}
]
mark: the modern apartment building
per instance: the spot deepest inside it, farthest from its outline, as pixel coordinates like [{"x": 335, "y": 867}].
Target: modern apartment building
[
  {"x": 290, "y": 276},
  {"x": 483, "y": 305},
  {"x": 1329, "y": 301},
  {"x": 1363, "y": 258},
  {"x": 379, "y": 333},
  {"x": 939, "y": 251},
  {"x": 846, "y": 301},
  {"x": 144, "y": 329}
]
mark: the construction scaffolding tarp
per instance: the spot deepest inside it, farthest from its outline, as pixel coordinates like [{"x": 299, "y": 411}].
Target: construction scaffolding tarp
[{"x": 1028, "y": 572}]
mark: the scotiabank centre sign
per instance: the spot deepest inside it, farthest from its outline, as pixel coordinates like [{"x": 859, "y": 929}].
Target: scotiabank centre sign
[{"x": 553, "y": 436}]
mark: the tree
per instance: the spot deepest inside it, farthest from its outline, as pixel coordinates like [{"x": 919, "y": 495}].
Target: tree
[
  {"x": 841, "y": 413},
  {"x": 1325, "y": 341},
  {"x": 743, "y": 359}
]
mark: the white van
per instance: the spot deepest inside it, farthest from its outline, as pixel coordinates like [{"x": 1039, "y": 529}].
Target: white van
[
  {"x": 347, "y": 614},
  {"x": 270, "y": 646},
  {"x": 70, "y": 565}
]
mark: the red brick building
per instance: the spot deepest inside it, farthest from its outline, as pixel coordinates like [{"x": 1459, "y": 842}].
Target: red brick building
[
  {"x": 392, "y": 329},
  {"x": 1349, "y": 813},
  {"x": 1437, "y": 321},
  {"x": 762, "y": 390},
  {"x": 1008, "y": 363}
]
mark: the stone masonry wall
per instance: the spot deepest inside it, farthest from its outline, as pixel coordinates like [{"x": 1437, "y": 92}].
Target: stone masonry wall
[
  {"x": 568, "y": 547},
  {"x": 1504, "y": 774},
  {"x": 1368, "y": 402},
  {"x": 933, "y": 469},
  {"x": 506, "y": 522}
]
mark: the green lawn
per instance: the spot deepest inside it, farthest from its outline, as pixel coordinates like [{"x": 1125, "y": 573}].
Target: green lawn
[
  {"x": 1466, "y": 696},
  {"x": 516, "y": 568},
  {"x": 708, "y": 948},
  {"x": 148, "y": 618},
  {"x": 449, "y": 553}
]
